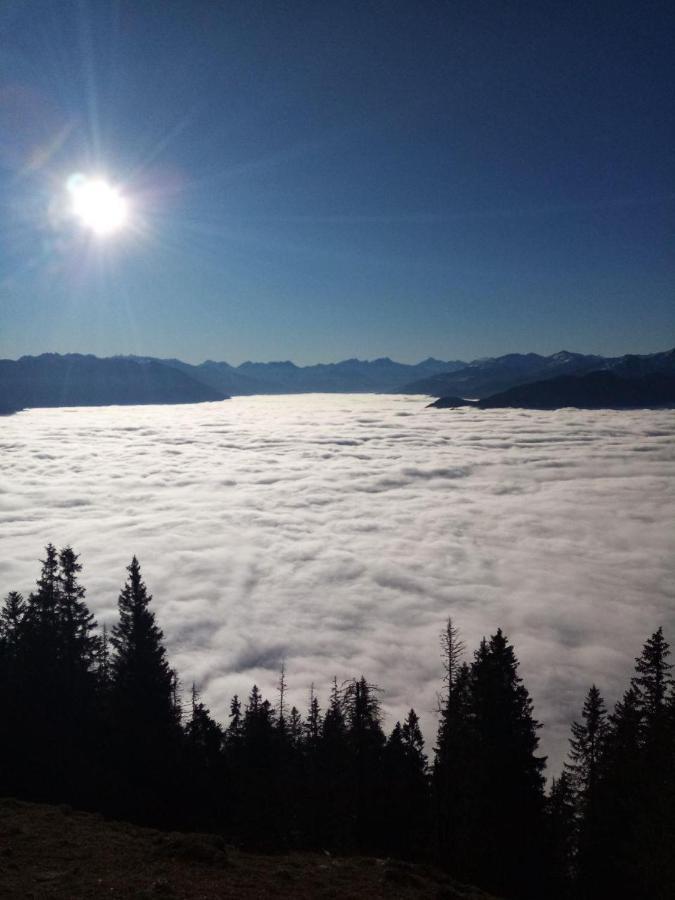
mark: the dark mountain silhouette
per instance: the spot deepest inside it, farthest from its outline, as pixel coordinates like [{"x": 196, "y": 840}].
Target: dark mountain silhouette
[
  {"x": 76, "y": 380},
  {"x": 596, "y": 390},
  {"x": 483, "y": 378},
  {"x": 347, "y": 376}
]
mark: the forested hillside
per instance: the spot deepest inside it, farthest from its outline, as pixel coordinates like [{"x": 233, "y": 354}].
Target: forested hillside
[{"x": 97, "y": 720}]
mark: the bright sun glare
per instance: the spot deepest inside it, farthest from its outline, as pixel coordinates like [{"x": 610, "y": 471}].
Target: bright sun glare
[{"x": 97, "y": 204}]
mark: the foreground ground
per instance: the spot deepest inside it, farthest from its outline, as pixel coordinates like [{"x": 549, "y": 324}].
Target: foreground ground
[{"x": 55, "y": 852}]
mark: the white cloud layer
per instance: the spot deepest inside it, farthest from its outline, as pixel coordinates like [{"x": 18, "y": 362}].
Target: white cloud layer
[{"x": 337, "y": 533}]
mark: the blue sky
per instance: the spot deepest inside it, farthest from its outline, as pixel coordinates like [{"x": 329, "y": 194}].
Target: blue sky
[{"x": 315, "y": 181}]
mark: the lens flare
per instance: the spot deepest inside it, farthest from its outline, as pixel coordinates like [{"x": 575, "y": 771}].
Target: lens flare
[{"x": 98, "y": 205}]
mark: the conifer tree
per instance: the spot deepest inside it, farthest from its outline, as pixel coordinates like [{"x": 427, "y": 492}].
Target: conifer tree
[
  {"x": 11, "y": 731},
  {"x": 453, "y": 753},
  {"x": 652, "y": 683},
  {"x": 143, "y": 705},
  {"x": 498, "y": 779},
  {"x": 79, "y": 645},
  {"x": 561, "y": 819},
  {"x": 313, "y": 722},
  {"x": 261, "y": 813},
  {"x": 405, "y": 798},
  {"x": 587, "y": 751},
  {"x": 42, "y": 693},
  {"x": 11, "y": 619},
  {"x": 43, "y": 603},
  {"x": 234, "y": 729},
  {"x": 204, "y": 765},
  {"x": 334, "y": 776},
  {"x": 366, "y": 742},
  {"x": 619, "y": 803}
]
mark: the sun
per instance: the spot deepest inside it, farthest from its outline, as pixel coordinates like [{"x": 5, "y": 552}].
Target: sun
[{"x": 97, "y": 204}]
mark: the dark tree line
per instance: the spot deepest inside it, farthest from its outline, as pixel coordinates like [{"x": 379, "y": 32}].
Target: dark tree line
[{"x": 95, "y": 720}]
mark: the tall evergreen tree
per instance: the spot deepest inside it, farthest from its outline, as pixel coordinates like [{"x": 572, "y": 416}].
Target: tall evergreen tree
[
  {"x": 561, "y": 832},
  {"x": 334, "y": 776},
  {"x": 587, "y": 751},
  {"x": 496, "y": 777},
  {"x": 366, "y": 742},
  {"x": 41, "y": 764},
  {"x": 453, "y": 753},
  {"x": 79, "y": 644},
  {"x": 261, "y": 813},
  {"x": 143, "y": 704},
  {"x": 655, "y": 825},
  {"x": 404, "y": 824},
  {"x": 204, "y": 767},
  {"x": 12, "y": 617}
]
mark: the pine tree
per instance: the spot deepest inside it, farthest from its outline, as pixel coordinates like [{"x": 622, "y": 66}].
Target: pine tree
[
  {"x": 452, "y": 648},
  {"x": 234, "y": 729},
  {"x": 453, "y": 752},
  {"x": 11, "y": 619},
  {"x": 204, "y": 767},
  {"x": 655, "y": 819},
  {"x": 334, "y": 777},
  {"x": 497, "y": 778},
  {"x": 261, "y": 813},
  {"x": 44, "y": 686},
  {"x": 366, "y": 742},
  {"x": 619, "y": 802},
  {"x": 143, "y": 705},
  {"x": 562, "y": 823},
  {"x": 79, "y": 645},
  {"x": 652, "y": 683},
  {"x": 43, "y": 603},
  {"x": 587, "y": 750},
  {"x": 313, "y": 722},
  {"x": 404, "y": 821}
]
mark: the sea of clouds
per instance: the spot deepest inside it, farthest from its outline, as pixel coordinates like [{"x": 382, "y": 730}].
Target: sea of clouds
[{"x": 337, "y": 533}]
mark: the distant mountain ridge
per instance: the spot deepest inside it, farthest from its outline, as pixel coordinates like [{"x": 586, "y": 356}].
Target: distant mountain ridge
[
  {"x": 486, "y": 377},
  {"x": 602, "y": 389},
  {"x": 285, "y": 377},
  {"x": 78, "y": 380}
]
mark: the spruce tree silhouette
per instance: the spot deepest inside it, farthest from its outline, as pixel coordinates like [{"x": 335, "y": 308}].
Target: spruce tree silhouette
[
  {"x": 261, "y": 815},
  {"x": 404, "y": 821},
  {"x": 50, "y": 674},
  {"x": 501, "y": 796},
  {"x": 312, "y": 812},
  {"x": 204, "y": 768},
  {"x": 587, "y": 752},
  {"x": 334, "y": 779},
  {"x": 620, "y": 798},
  {"x": 655, "y": 825},
  {"x": 451, "y": 776},
  {"x": 145, "y": 725},
  {"x": 562, "y": 836},
  {"x": 78, "y": 649},
  {"x": 12, "y": 771},
  {"x": 366, "y": 742}
]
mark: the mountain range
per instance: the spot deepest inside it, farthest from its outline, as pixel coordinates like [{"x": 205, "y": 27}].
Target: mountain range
[
  {"x": 486, "y": 377},
  {"x": 603, "y": 389},
  {"x": 78, "y": 380}
]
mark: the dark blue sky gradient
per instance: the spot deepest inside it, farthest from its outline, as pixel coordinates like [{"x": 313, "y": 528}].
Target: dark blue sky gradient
[{"x": 321, "y": 180}]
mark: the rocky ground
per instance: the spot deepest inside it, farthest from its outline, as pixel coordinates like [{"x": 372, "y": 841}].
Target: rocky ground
[{"x": 56, "y": 852}]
